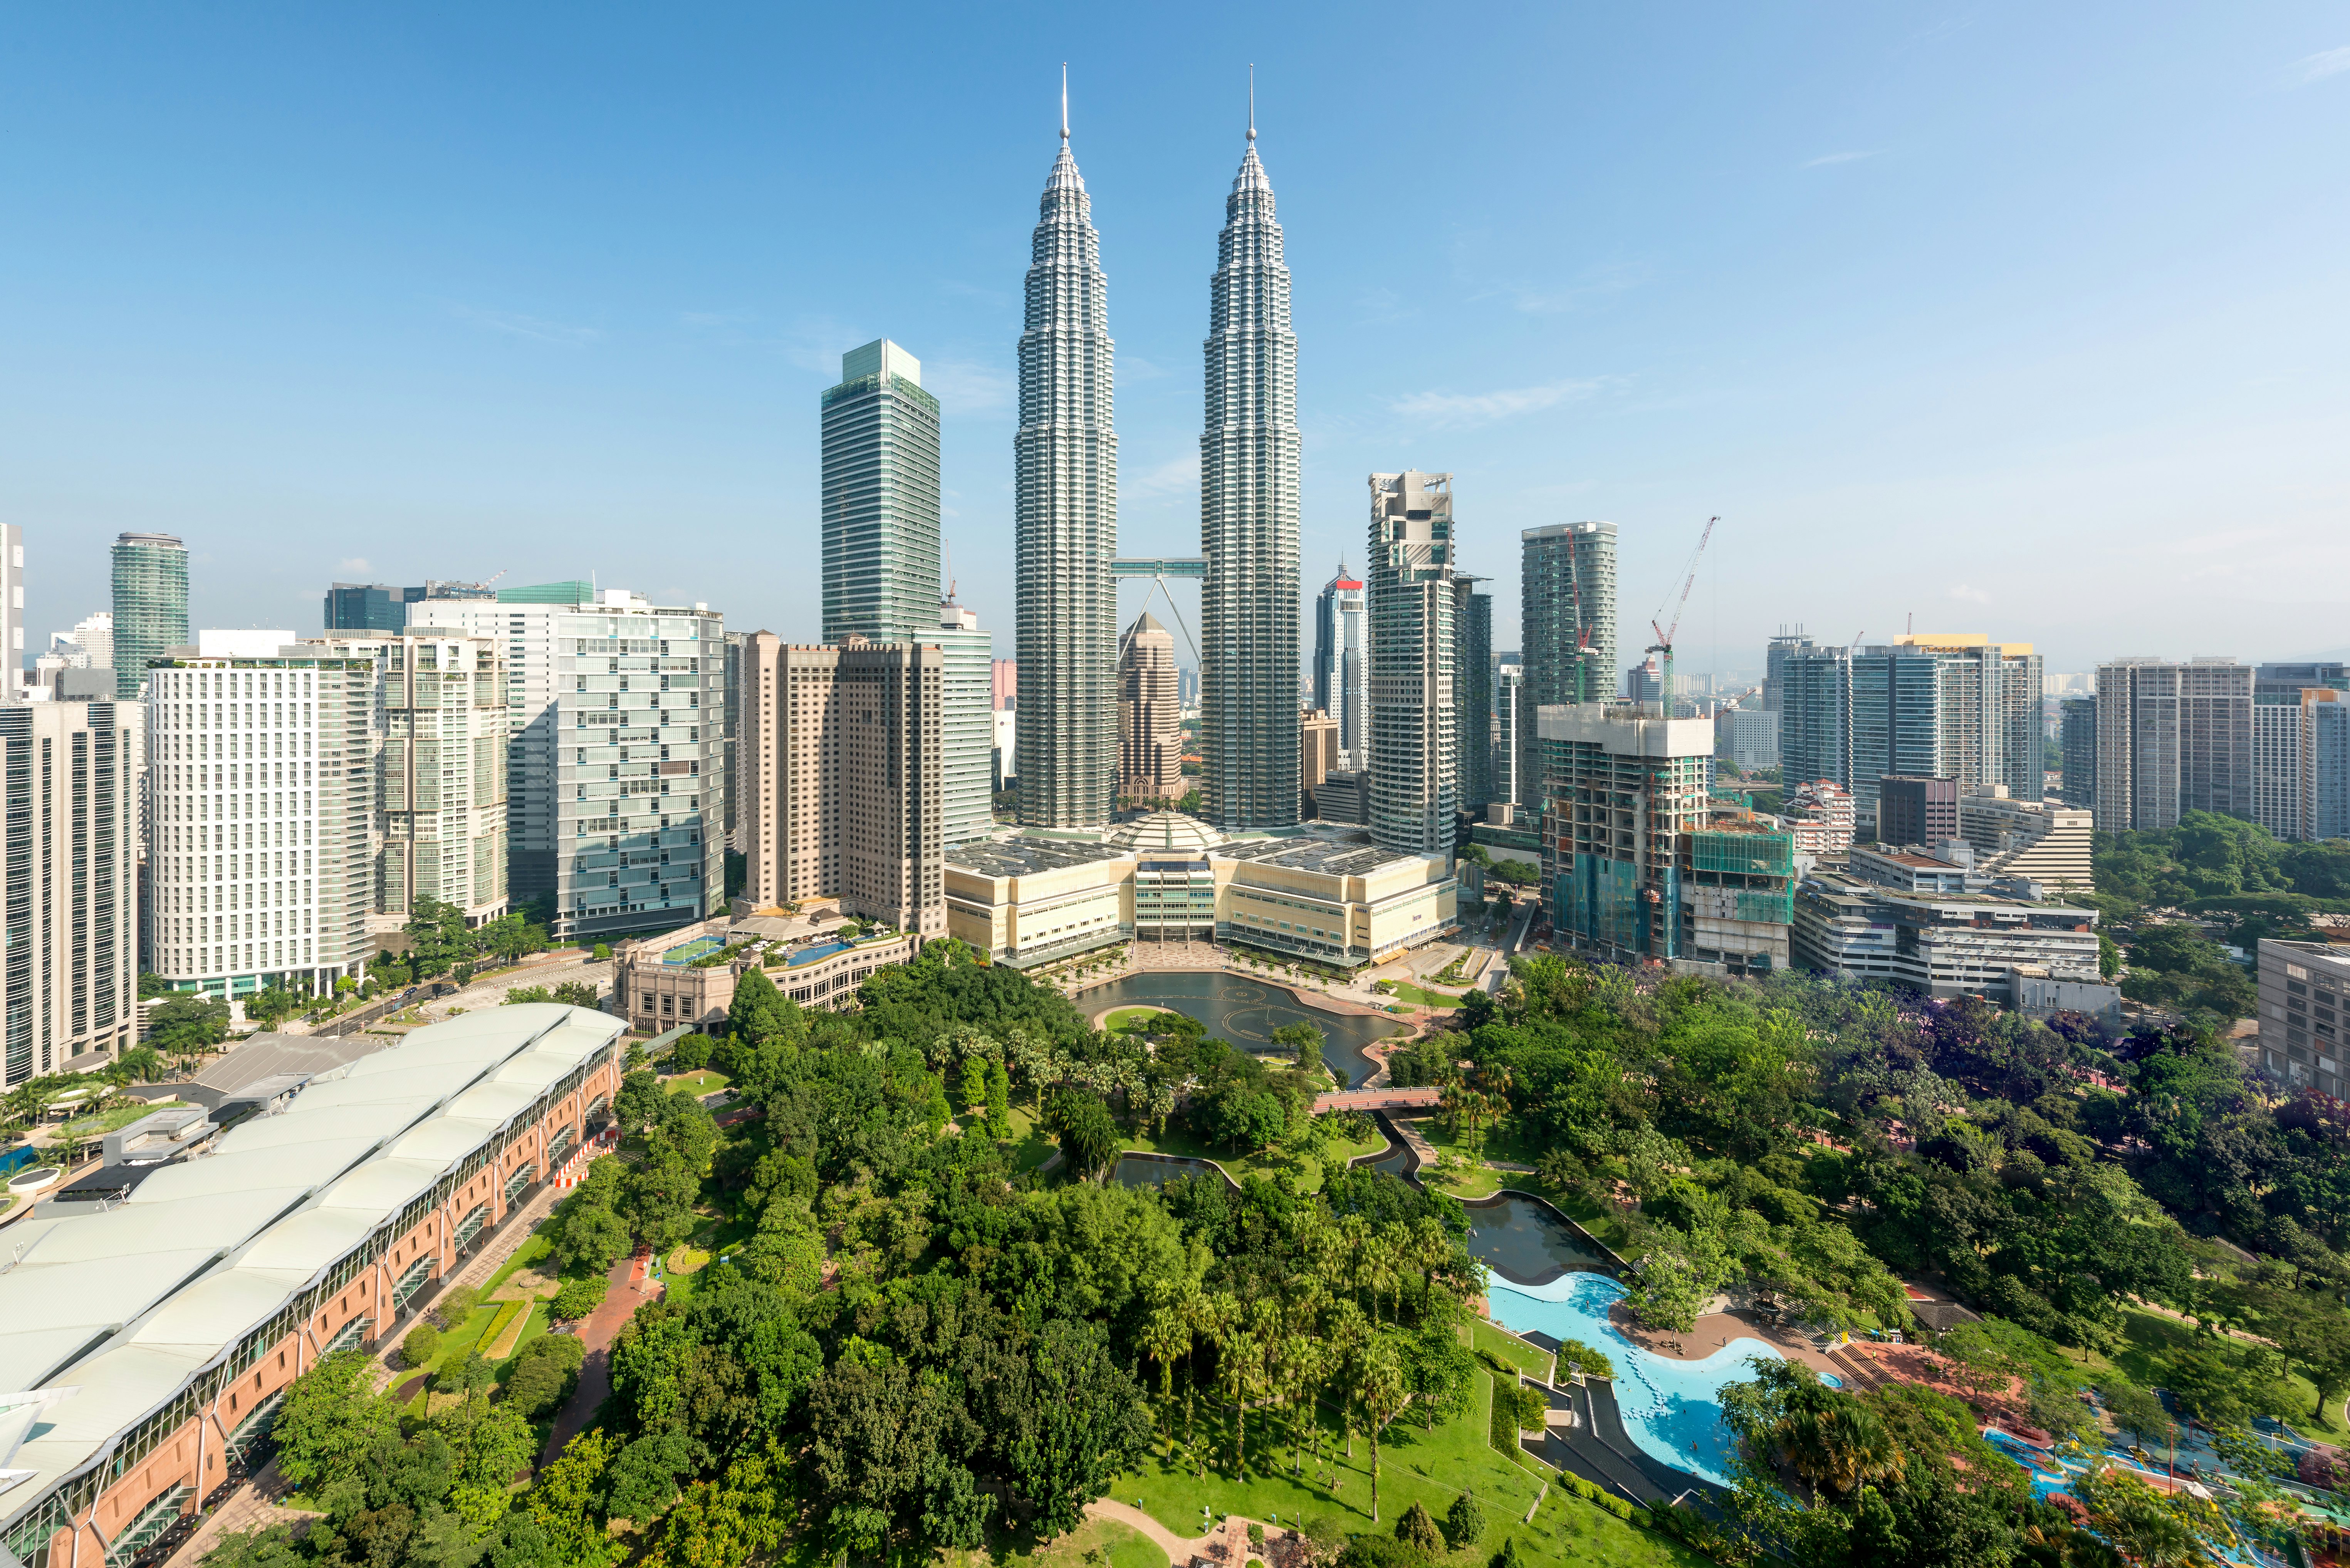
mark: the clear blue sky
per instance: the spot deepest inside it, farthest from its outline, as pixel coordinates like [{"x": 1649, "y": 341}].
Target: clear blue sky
[{"x": 2027, "y": 319}]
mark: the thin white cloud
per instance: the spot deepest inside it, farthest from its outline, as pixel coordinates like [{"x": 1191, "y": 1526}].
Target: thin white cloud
[
  {"x": 1169, "y": 478},
  {"x": 1823, "y": 161},
  {"x": 1595, "y": 283},
  {"x": 1972, "y": 595},
  {"x": 967, "y": 386},
  {"x": 962, "y": 290},
  {"x": 536, "y": 328},
  {"x": 1135, "y": 367},
  {"x": 818, "y": 342},
  {"x": 2318, "y": 67},
  {"x": 1458, "y": 410},
  {"x": 355, "y": 563}
]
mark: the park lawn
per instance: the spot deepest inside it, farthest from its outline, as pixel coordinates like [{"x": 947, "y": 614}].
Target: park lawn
[
  {"x": 1477, "y": 1181},
  {"x": 533, "y": 1248},
  {"x": 1181, "y": 1141},
  {"x": 2152, "y": 1338},
  {"x": 1415, "y": 1466},
  {"x": 460, "y": 1342},
  {"x": 1121, "y": 1545},
  {"x": 1407, "y": 991},
  {"x": 537, "y": 1325},
  {"x": 1483, "y": 1335},
  {"x": 1126, "y": 1018},
  {"x": 702, "y": 1081}
]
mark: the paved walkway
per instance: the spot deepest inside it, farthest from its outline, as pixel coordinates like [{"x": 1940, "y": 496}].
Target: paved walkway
[
  {"x": 251, "y": 1506},
  {"x": 628, "y": 1288},
  {"x": 1717, "y": 1329},
  {"x": 1378, "y": 1099},
  {"x": 1227, "y": 1544}
]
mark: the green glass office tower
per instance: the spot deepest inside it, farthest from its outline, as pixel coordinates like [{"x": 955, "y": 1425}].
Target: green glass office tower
[
  {"x": 1065, "y": 520},
  {"x": 1566, "y": 611},
  {"x": 150, "y": 606},
  {"x": 1472, "y": 666},
  {"x": 1248, "y": 522},
  {"x": 880, "y": 499}
]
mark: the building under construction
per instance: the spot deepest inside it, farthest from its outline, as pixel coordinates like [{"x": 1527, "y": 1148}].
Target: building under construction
[{"x": 1638, "y": 863}]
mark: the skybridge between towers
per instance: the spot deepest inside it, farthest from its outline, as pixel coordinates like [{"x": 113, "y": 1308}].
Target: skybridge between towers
[{"x": 1159, "y": 568}]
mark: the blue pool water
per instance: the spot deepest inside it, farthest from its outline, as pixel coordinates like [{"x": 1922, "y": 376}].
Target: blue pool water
[
  {"x": 810, "y": 954},
  {"x": 1672, "y": 1408}
]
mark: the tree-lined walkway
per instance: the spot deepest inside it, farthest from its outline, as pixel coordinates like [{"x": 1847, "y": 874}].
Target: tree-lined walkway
[{"x": 628, "y": 1287}]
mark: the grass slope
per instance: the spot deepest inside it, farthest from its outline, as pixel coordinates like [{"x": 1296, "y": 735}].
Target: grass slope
[
  {"x": 1415, "y": 1466},
  {"x": 1307, "y": 1173}
]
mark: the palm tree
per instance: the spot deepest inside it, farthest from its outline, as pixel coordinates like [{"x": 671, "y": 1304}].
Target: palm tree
[
  {"x": 1239, "y": 1361},
  {"x": 1835, "y": 1443},
  {"x": 1380, "y": 1390},
  {"x": 1379, "y": 1268},
  {"x": 1299, "y": 1357},
  {"x": 1166, "y": 1335},
  {"x": 1431, "y": 1251},
  {"x": 1206, "y": 1316},
  {"x": 1345, "y": 1337}
]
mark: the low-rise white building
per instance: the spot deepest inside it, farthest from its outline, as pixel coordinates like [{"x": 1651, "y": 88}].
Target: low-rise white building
[
  {"x": 2043, "y": 840},
  {"x": 1940, "y": 944}
]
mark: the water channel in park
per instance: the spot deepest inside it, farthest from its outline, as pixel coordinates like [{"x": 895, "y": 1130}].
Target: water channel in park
[{"x": 1246, "y": 1011}]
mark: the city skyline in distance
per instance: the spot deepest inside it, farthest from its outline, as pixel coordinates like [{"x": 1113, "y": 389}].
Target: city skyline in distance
[{"x": 1925, "y": 353}]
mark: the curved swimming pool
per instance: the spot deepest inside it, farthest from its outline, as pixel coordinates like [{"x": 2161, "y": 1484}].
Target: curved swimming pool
[{"x": 1672, "y": 1408}]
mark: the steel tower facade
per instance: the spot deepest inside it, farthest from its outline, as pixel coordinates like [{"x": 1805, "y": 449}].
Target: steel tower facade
[
  {"x": 1248, "y": 522},
  {"x": 1065, "y": 528}
]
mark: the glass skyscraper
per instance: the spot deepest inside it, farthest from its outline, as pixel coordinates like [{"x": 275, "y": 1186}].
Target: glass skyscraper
[
  {"x": 1065, "y": 519},
  {"x": 1566, "y": 610},
  {"x": 880, "y": 499},
  {"x": 1248, "y": 522},
  {"x": 1473, "y": 675},
  {"x": 150, "y": 605},
  {"x": 1338, "y": 665}
]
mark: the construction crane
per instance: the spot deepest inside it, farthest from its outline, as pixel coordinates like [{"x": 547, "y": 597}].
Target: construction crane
[{"x": 1664, "y": 643}]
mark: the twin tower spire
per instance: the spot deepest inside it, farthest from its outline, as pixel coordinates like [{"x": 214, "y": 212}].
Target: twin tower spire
[{"x": 1065, "y": 517}]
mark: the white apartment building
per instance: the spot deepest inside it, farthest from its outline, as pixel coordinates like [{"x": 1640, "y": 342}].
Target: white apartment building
[
  {"x": 522, "y": 622},
  {"x": 616, "y": 762},
  {"x": 261, "y": 782},
  {"x": 440, "y": 720},
  {"x": 966, "y": 732},
  {"x": 1821, "y": 815},
  {"x": 69, "y": 771},
  {"x": 2043, "y": 841},
  {"x": 1748, "y": 737}
]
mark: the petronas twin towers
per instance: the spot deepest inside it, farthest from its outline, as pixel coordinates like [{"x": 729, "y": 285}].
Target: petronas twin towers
[{"x": 1065, "y": 519}]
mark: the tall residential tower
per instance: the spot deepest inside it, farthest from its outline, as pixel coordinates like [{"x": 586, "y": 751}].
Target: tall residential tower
[
  {"x": 1415, "y": 718},
  {"x": 1567, "y": 613},
  {"x": 1248, "y": 520},
  {"x": 1064, "y": 519}
]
